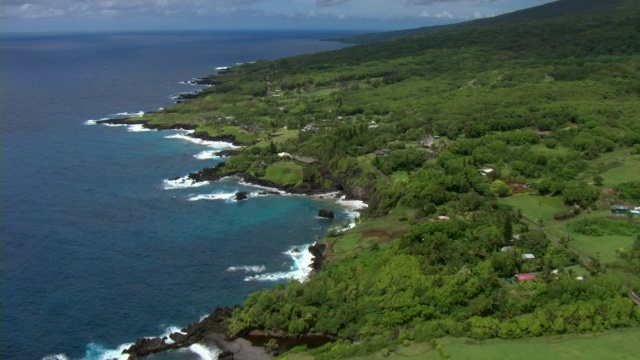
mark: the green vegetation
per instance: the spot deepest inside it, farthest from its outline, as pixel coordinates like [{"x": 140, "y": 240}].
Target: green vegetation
[
  {"x": 536, "y": 207},
  {"x": 284, "y": 173},
  {"x": 619, "y": 344},
  {"x": 473, "y": 145}
]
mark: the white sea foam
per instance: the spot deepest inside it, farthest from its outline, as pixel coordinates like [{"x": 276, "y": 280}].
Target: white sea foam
[
  {"x": 218, "y": 196},
  {"x": 180, "y": 94},
  {"x": 131, "y": 114},
  {"x": 138, "y": 128},
  {"x": 352, "y": 204},
  {"x": 182, "y": 183},
  {"x": 114, "y": 125},
  {"x": 191, "y": 82},
  {"x": 170, "y": 330},
  {"x": 207, "y": 155},
  {"x": 247, "y": 268},
  {"x": 219, "y": 145},
  {"x": 205, "y": 352},
  {"x": 353, "y": 212},
  {"x": 99, "y": 352},
  {"x": 244, "y": 183},
  {"x": 329, "y": 195},
  {"x": 300, "y": 270},
  {"x": 219, "y": 68},
  {"x": 90, "y": 122},
  {"x": 56, "y": 357}
]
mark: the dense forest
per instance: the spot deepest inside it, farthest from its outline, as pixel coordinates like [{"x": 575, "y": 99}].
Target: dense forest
[{"x": 484, "y": 150}]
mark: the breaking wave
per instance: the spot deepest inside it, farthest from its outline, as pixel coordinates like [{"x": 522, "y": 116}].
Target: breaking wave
[
  {"x": 131, "y": 114},
  {"x": 300, "y": 269},
  {"x": 207, "y": 155},
  {"x": 182, "y": 183},
  {"x": 219, "y": 145},
  {"x": 138, "y": 128},
  {"x": 218, "y": 196},
  {"x": 247, "y": 268}
]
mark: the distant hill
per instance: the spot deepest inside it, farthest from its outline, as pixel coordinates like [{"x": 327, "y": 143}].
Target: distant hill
[{"x": 550, "y": 11}]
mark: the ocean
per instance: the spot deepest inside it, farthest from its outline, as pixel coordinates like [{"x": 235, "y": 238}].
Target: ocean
[{"x": 98, "y": 249}]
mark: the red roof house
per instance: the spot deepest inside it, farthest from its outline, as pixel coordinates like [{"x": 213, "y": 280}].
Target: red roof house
[{"x": 526, "y": 277}]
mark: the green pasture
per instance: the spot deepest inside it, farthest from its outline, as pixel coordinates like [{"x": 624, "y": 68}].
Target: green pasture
[
  {"x": 611, "y": 345},
  {"x": 374, "y": 231},
  {"x": 399, "y": 176},
  {"x": 604, "y": 247},
  {"x": 284, "y": 173},
  {"x": 279, "y": 136},
  {"x": 628, "y": 170},
  {"x": 618, "y": 345},
  {"x": 535, "y": 207}
]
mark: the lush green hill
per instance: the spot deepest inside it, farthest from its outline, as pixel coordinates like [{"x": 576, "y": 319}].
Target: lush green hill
[{"x": 546, "y": 102}]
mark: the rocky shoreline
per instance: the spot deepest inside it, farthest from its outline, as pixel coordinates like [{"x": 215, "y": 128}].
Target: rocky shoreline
[
  {"x": 212, "y": 329},
  {"x": 193, "y": 333}
]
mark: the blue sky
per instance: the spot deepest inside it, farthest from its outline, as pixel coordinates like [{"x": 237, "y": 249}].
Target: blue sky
[{"x": 125, "y": 15}]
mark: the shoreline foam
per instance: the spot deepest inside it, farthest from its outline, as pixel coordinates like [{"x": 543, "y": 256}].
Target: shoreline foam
[
  {"x": 182, "y": 183},
  {"x": 299, "y": 270}
]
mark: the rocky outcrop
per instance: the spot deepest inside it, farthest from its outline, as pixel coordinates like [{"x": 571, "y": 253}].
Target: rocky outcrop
[
  {"x": 226, "y": 355},
  {"x": 203, "y": 135},
  {"x": 318, "y": 251},
  {"x": 227, "y": 153},
  {"x": 188, "y": 336},
  {"x": 209, "y": 174},
  {"x": 241, "y": 195},
  {"x": 327, "y": 214},
  {"x": 130, "y": 121}
]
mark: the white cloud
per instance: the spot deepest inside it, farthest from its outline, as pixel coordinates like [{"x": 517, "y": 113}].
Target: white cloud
[
  {"x": 31, "y": 11},
  {"x": 445, "y": 15},
  {"x": 330, "y": 2},
  {"x": 250, "y": 12}
]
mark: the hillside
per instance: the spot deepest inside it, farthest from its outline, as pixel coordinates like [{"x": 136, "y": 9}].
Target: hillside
[{"x": 484, "y": 150}]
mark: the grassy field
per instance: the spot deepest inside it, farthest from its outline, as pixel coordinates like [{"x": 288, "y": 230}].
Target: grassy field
[
  {"x": 284, "y": 173},
  {"x": 399, "y": 176},
  {"x": 620, "y": 345},
  {"x": 281, "y": 136},
  {"x": 379, "y": 231},
  {"x": 626, "y": 171},
  {"x": 603, "y": 247},
  {"x": 242, "y": 136},
  {"x": 543, "y": 208},
  {"x": 535, "y": 207}
]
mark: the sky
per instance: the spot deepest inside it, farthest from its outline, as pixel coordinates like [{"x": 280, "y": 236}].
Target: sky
[{"x": 131, "y": 15}]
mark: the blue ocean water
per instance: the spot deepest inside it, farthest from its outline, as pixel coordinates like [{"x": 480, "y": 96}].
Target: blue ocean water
[{"x": 95, "y": 251}]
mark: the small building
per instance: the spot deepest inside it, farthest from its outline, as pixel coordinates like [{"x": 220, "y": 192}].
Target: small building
[
  {"x": 620, "y": 209},
  {"x": 506, "y": 248},
  {"x": 442, "y": 217},
  {"x": 528, "y": 257},
  {"x": 382, "y": 152},
  {"x": 485, "y": 171},
  {"x": 429, "y": 140},
  {"x": 526, "y": 277},
  {"x": 305, "y": 159},
  {"x": 311, "y": 128}
]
